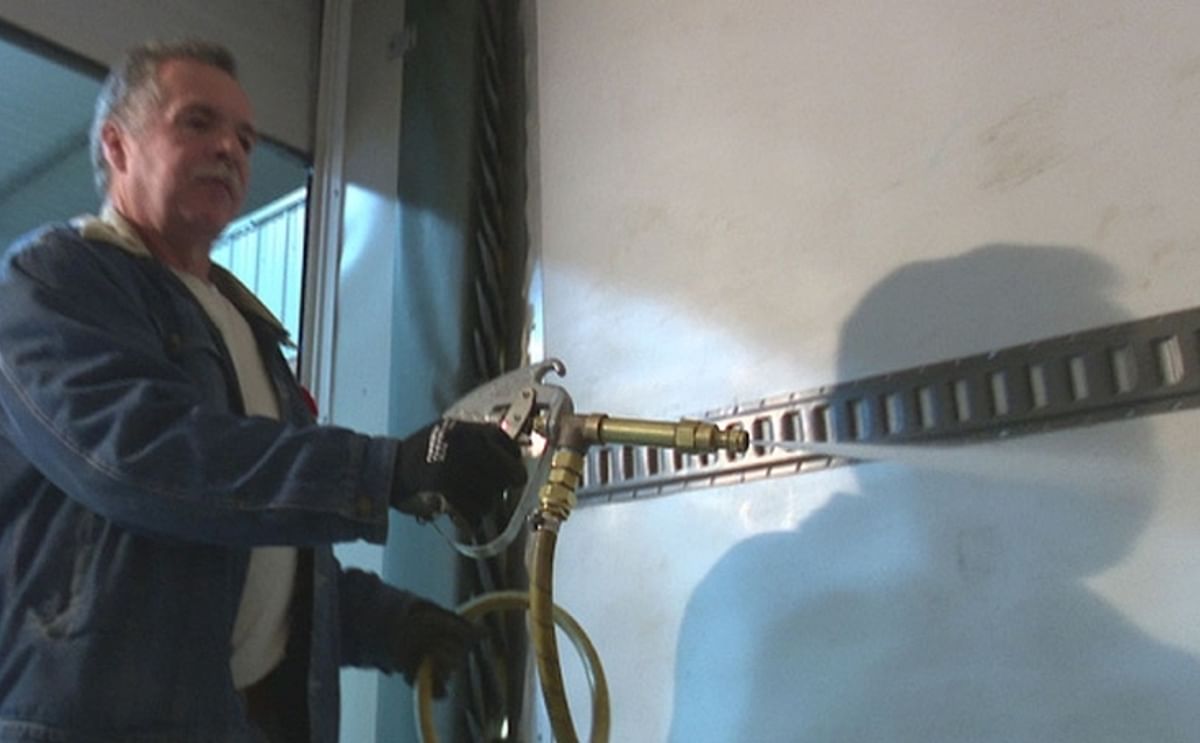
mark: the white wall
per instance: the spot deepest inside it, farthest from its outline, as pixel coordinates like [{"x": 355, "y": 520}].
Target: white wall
[
  {"x": 275, "y": 41},
  {"x": 738, "y": 200}
]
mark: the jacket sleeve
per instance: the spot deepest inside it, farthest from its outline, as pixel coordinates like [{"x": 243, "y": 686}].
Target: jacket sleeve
[{"x": 90, "y": 397}]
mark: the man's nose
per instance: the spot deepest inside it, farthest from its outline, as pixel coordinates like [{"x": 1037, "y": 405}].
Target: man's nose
[
  {"x": 229, "y": 145},
  {"x": 229, "y": 150}
]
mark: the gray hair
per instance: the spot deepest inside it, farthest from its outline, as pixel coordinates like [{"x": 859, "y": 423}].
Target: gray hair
[{"x": 131, "y": 89}]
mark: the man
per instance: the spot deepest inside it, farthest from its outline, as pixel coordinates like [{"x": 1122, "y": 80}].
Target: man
[{"x": 167, "y": 503}]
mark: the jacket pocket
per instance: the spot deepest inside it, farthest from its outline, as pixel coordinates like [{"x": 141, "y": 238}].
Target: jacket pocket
[
  {"x": 69, "y": 583},
  {"x": 198, "y": 356}
]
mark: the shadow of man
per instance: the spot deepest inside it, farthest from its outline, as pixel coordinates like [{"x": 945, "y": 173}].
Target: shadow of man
[{"x": 946, "y": 603}]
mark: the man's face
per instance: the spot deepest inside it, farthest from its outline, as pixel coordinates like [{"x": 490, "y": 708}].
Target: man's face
[{"x": 180, "y": 170}]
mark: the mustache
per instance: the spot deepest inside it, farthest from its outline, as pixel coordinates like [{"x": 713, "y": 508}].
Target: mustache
[{"x": 223, "y": 172}]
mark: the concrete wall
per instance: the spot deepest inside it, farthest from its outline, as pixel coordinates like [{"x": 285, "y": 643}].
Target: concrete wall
[{"x": 739, "y": 200}]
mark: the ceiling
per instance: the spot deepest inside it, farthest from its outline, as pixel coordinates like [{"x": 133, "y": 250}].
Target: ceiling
[{"x": 45, "y": 169}]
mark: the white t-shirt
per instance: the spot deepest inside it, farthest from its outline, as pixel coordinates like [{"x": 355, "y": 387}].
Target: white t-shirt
[{"x": 261, "y": 629}]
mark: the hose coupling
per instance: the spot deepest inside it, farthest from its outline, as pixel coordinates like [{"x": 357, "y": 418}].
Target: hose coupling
[
  {"x": 698, "y": 437},
  {"x": 557, "y": 495}
]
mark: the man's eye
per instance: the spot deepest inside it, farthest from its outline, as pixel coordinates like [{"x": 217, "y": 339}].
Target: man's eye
[
  {"x": 196, "y": 123},
  {"x": 247, "y": 143}
]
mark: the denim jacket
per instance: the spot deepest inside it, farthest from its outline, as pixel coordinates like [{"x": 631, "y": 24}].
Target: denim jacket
[{"x": 132, "y": 490}]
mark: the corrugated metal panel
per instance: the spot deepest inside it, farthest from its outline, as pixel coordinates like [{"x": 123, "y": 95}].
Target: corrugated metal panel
[{"x": 265, "y": 250}]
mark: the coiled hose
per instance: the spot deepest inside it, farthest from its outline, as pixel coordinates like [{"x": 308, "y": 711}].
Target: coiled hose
[
  {"x": 495, "y": 601},
  {"x": 556, "y": 500}
]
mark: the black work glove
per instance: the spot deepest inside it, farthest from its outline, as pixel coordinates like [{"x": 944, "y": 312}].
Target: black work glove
[
  {"x": 465, "y": 466},
  {"x": 429, "y": 631}
]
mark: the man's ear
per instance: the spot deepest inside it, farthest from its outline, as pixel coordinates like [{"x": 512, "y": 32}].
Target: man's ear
[{"x": 112, "y": 141}]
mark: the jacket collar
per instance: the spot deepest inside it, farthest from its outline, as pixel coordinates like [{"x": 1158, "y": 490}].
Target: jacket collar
[{"x": 112, "y": 228}]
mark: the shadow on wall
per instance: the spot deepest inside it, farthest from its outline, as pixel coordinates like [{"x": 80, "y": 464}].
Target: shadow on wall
[{"x": 946, "y": 605}]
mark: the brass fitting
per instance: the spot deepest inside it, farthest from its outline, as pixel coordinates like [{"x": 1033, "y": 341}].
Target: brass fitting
[
  {"x": 557, "y": 495},
  {"x": 686, "y": 436}
]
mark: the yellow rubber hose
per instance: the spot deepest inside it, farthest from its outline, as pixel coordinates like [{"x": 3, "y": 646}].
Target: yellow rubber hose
[
  {"x": 545, "y": 641},
  {"x": 520, "y": 601}
]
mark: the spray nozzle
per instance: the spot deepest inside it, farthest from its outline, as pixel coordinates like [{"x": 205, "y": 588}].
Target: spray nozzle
[
  {"x": 523, "y": 405},
  {"x": 686, "y": 436}
]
